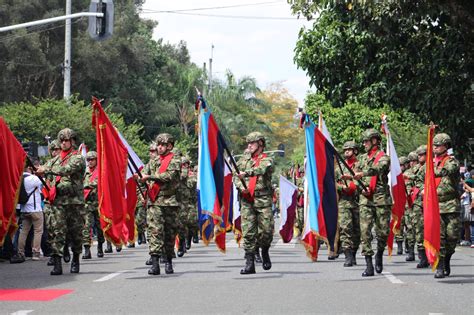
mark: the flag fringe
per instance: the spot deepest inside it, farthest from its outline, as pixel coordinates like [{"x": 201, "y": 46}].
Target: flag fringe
[{"x": 429, "y": 247}]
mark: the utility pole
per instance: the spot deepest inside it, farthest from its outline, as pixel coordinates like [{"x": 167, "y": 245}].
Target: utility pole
[
  {"x": 67, "y": 54},
  {"x": 210, "y": 68},
  {"x": 204, "y": 85}
]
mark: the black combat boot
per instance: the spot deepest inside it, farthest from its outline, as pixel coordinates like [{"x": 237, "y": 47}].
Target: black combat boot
[
  {"x": 169, "y": 266},
  {"x": 87, "y": 252},
  {"x": 440, "y": 269},
  {"x": 140, "y": 239},
  {"x": 369, "y": 270},
  {"x": 131, "y": 245},
  {"x": 447, "y": 265},
  {"x": 75, "y": 263},
  {"x": 349, "y": 257},
  {"x": 188, "y": 241},
  {"x": 354, "y": 254},
  {"x": 196, "y": 238},
  {"x": 181, "y": 248},
  {"x": 57, "y": 267},
  {"x": 423, "y": 259},
  {"x": 411, "y": 254},
  {"x": 108, "y": 248},
  {"x": 66, "y": 254},
  {"x": 155, "y": 265},
  {"x": 149, "y": 262},
  {"x": 379, "y": 261},
  {"x": 266, "y": 262},
  {"x": 249, "y": 264},
  {"x": 258, "y": 258},
  {"x": 50, "y": 261},
  {"x": 118, "y": 249},
  {"x": 100, "y": 250},
  {"x": 399, "y": 247}
]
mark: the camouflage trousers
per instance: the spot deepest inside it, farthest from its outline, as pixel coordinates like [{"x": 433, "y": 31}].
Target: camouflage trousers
[
  {"x": 450, "y": 230},
  {"x": 193, "y": 224},
  {"x": 183, "y": 221},
  {"x": 380, "y": 218},
  {"x": 66, "y": 221},
  {"x": 400, "y": 237},
  {"x": 415, "y": 227},
  {"x": 300, "y": 219},
  {"x": 48, "y": 223},
  {"x": 162, "y": 229},
  {"x": 91, "y": 219},
  {"x": 349, "y": 228},
  {"x": 257, "y": 226},
  {"x": 140, "y": 218}
]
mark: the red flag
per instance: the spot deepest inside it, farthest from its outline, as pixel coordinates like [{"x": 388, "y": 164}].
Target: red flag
[
  {"x": 221, "y": 226},
  {"x": 288, "y": 193},
  {"x": 12, "y": 161},
  {"x": 112, "y": 164},
  {"x": 397, "y": 188},
  {"x": 431, "y": 214}
]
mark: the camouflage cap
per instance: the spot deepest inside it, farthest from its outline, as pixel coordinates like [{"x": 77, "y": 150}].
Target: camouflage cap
[
  {"x": 403, "y": 160},
  {"x": 255, "y": 136},
  {"x": 442, "y": 139},
  {"x": 152, "y": 146},
  {"x": 164, "y": 138},
  {"x": 412, "y": 156},
  {"x": 421, "y": 149},
  {"x": 349, "y": 145},
  {"x": 91, "y": 155},
  {"x": 54, "y": 145},
  {"x": 66, "y": 134},
  {"x": 185, "y": 160},
  {"x": 371, "y": 133}
]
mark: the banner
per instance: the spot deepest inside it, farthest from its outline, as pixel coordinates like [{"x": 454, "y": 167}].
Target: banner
[{"x": 288, "y": 195}]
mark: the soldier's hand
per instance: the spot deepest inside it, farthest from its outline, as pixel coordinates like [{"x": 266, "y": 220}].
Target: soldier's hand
[
  {"x": 245, "y": 191},
  {"x": 358, "y": 175},
  {"x": 40, "y": 171},
  {"x": 144, "y": 178},
  {"x": 241, "y": 175},
  {"x": 346, "y": 176}
]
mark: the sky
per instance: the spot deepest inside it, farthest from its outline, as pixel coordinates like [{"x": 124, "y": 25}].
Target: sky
[{"x": 261, "y": 48}]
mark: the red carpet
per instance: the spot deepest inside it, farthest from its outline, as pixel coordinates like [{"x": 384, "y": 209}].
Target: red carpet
[{"x": 31, "y": 294}]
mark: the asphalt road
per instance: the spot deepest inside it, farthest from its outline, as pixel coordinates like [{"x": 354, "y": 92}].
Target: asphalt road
[{"x": 207, "y": 281}]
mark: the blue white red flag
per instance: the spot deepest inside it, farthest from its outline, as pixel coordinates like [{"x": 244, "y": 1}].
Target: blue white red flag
[{"x": 321, "y": 211}]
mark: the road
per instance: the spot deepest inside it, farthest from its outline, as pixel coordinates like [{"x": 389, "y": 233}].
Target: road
[{"x": 207, "y": 281}]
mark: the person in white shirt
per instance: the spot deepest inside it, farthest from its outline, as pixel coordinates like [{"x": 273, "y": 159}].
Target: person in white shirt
[{"x": 31, "y": 215}]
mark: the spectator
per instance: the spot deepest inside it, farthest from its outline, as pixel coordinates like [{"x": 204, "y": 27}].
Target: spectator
[
  {"x": 469, "y": 189},
  {"x": 31, "y": 215}
]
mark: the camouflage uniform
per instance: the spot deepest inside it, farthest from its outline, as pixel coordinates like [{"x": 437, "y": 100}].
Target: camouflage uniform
[
  {"x": 349, "y": 222},
  {"x": 92, "y": 216},
  {"x": 257, "y": 216},
  {"x": 184, "y": 200},
  {"x": 446, "y": 170},
  {"x": 375, "y": 209},
  {"x": 418, "y": 184},
  {"x": 193, "y": 224},
  {"x": 140, "y": 212},
  {"x": 410, "y": 222},
  {"x": 162, "y": 214},
  {"x": 67, "y": 210},
  {"x": 47, "y": 206}
]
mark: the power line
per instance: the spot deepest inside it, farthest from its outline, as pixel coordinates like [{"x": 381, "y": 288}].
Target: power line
[
  {"x": 21, "y": 64},
  {"x": 245, "y": 17},
  {"x": 213, "y": 8}
]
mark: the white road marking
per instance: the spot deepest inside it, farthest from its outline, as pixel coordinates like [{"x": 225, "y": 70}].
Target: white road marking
[
  {"x": 22, "y": 312},
  {"x": 391, "y": 277},
  {"x": 111, "y": 276}
]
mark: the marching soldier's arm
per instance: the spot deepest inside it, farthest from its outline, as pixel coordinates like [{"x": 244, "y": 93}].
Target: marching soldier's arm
[
  {"x": 266, "y": 165},
  {"x": 382, "y": 167},
  {"x": 172, "y": 173},
  {"x": 75, "y": 164},
  {"x": 451, "y": 167}
]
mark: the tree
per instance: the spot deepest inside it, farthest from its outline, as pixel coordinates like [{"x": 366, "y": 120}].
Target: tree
[{"x": 416, "y": 55}]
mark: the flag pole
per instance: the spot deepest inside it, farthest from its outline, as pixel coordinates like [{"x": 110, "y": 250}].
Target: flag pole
[{"x": 136, "y": 171}]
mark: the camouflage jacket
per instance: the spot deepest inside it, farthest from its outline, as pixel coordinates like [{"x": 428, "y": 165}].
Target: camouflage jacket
[
  {"x": 449, "y": 177},
  {"x": 191, "y": 184},
  {"x": 381, "y": 194},
  {"x": 347, "y": 191},
  {"x": 184, "y": 194},
  {"x": 92, "y": 185},
  {"x": 418, "y": 182},
  {"x": 69, "y": 189},
  {"x": 168, "y": 181}
]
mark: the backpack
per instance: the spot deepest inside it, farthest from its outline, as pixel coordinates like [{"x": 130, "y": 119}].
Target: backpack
[{"x": 23, "y": 196}]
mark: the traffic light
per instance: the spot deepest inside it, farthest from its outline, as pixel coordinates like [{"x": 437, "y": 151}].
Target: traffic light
[
  {"x": 31, "y": 148},
  {"x": 103, "y": 27}
]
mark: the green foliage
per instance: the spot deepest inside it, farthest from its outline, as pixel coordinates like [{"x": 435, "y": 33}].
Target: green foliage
[
  {"x": 33, "y": 122},
  {"x": 414, "y": 55}
]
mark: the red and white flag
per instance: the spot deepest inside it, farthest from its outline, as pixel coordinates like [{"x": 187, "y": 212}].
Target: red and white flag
[
  {"x": 82, "y": 150},
  {"x": 288, "y": 194},
  {"x": 397, "y": 188},
  {"x": 236, "y": 219}
]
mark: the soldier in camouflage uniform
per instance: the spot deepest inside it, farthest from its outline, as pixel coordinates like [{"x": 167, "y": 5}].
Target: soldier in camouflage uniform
[
  {"x": 140, "y": 213},
  {"x": 163, "y": 208},
  {"x": 447, "y": 176},
  {"x": 256, "y": 171},
  {"x": 349, "y": 223},
  {"x": 375, "y": 202},
  {"x": 185, "y": 199},
  {"x": 91, "y": 208},
  {"x": 410, "y": 220},
  {"x": 67, "y": 209},
  {"x": 54, "y": 149},
  {"x": 193, "y": 223},
  {"x": 400, "y": 237}
]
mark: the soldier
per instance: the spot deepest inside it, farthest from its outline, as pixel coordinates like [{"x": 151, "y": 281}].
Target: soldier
[
  {"x": 256, "y": 171},
  {"x": 185, "y": 199},
  {"x": 410, "y": 220},
  {"x": 54, "y": 149},
  {"x": 193, "y": 222},
  {"x": 67, "y": 207},
  {"x": 91, "y": 208},
  {"x": 447, "y": 177},
  {"x": 299, "y": 182},
  {"x": 375, "y": 202},
  {"x": 399, "y": 238},
  {"x": 163, "y": 207},
  {"x": 349, "y": 222}
]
